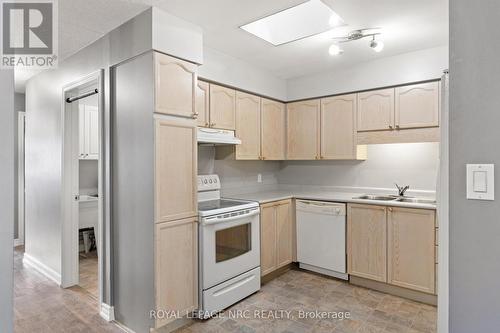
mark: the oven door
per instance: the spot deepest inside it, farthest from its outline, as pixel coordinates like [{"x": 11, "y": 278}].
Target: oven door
[{"x": 229, "y": 246}]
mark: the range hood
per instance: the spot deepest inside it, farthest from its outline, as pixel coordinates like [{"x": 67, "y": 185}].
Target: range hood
[{"x": 217, "y": 136}]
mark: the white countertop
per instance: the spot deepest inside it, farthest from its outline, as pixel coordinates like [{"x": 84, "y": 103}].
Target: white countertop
[{"x": 321, "y": 195}]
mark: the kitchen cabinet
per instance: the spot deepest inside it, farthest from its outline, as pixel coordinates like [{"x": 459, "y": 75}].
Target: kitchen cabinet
[
  {"x": 276, "y": 236},
  {"x": 273, "y": 130},
  {"x": 303, "y": 129},
  {"x": 248, "y": 126},
  {"x": 175, "y": 82},
  {"x": 176, "y": 267},
  {"x": 88, "y": 124},
  {"x": 202, "y": 107},
  {"x": 376, "y": 110},
  {"x": 222, "y": 107},
  {"x": 367, "y": 241},
  {"x": 175, "y": 169},
  {"x": 417, "y": 105},
  {"x": 338, "y": 127},
  {"x": 411, "y": 248}
]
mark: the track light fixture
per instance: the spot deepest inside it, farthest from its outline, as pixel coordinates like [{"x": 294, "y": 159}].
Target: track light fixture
[{"x": 376, "y": 45}]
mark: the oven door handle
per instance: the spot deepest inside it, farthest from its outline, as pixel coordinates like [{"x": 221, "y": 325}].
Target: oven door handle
[{"x": 215, "y": 220}]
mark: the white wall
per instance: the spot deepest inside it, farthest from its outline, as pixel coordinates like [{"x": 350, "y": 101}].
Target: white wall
[
  {"x": 414, "y": 164},
  {"x": 228, "y": 70},
  {"x": 6, "y": 199},
  {"x": 408, "y": 67}
]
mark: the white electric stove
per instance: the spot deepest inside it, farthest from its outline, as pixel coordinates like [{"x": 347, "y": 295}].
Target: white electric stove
[{"x": 229, "y": 248}]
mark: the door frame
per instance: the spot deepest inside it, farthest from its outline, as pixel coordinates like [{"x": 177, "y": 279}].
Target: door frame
[
  {"x": 21, "y": 119},
  {"x": 69, "y": 239}
]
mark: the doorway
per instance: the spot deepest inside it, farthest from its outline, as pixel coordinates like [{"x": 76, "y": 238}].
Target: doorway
[{"x": 82, "y": 185}]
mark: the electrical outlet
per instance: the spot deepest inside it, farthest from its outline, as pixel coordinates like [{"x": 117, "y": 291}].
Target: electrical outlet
[{"x": 259, "y": 178}]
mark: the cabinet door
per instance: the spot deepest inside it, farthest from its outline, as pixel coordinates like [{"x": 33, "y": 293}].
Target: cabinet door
[
  {"x": 367, "y": 241},
  {"x": 338, "y": 127},
  {"x": 202, "y": 103},
  {"x": 303, "y": 130},
  {"x": 411, "y": 248},
  {"x": 222, "y": 107},
  {"x": 248, "y": 126},
  {"x": 284, "y": 233},
  {"x": 268, "y": 258},
  {"x": 175, "y": 169},
  {"x": 417, "y": 105},
  {"x": 176, "y": 267},
  {"x": 273, "y": 130},
  {"x": 175, "y": 86},
  {"x": 376, "y": 110},
  {"x": 92, "y": 132}
]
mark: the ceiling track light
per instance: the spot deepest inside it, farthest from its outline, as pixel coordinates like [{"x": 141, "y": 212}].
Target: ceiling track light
[{"x": 376, "y": 45}]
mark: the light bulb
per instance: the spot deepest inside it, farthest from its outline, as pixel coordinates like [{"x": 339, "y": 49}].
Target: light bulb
[
  {"x": 377, "y": 45},
  {"x": 335, "y": 20},
  {"x": 335, "y": 50}
]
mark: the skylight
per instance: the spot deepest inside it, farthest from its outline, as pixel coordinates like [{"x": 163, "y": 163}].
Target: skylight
[{"x": 307, "y": 19}]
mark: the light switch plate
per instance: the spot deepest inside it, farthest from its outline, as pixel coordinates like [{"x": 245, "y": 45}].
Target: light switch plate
[{"x": 481, "y": 181}]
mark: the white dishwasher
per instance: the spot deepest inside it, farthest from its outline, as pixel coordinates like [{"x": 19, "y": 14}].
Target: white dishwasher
[{"x": 321, "y": 237}]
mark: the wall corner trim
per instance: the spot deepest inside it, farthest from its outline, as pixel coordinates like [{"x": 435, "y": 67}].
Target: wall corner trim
[
  {"x": 107, "y": 312},
  {"x": 48, "y": 272}
]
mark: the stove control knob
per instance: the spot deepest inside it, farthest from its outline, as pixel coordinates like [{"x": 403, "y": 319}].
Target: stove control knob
[
  {"x": 210, "y": 181},
  {"x": 205, "y": 182}
]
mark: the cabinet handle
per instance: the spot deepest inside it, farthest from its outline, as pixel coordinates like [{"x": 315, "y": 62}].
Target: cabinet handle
[
  {"x": 390, "y": 126},
  {"x": 212, "y": 124},
  {"x": 195, "y": 115},
  {"x": 263, "y": 158},
  {"x": 397, "y": 126},
  {"x": 322, "y": 157},
  {"x": 207, "y": 124},
  {"x": 390, "y": 209}
]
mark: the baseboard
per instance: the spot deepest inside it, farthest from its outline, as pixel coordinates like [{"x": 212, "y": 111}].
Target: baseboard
[
  {"x": 18, "y": 242},
  {"x": 107, "y": 312},
  {"x": 42, "y": 268}
]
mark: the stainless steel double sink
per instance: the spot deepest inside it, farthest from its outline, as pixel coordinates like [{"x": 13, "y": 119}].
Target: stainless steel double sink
[{"x": 395, "y": 198}]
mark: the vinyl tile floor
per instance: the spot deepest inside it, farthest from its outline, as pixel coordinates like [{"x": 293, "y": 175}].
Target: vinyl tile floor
[
  {"x": 42, "y": 306},
  {"x": 303, "y": 293}
]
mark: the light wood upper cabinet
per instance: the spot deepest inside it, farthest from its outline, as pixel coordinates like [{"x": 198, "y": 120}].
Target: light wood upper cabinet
[
  {"x": 417, "y": 105},
  {"x": 367, "y": 241},
  {"x": 175, "y": 169},
  {"x": 248, "y": 126},
  {"x": 222, "y": 107},
  {"x": 273, "y": 130},
  {"x": 176, "y": 267},
  {"x": 303, "y": 130},
  {"x": 175, "y": 86},
  {"x": 284, "y": 232},
  {"x": 267, "y": 239},
  {"x": 202, "y": 103},
  {"x": 376, "y": 110},
  {"x": 338, "y": 127},
  {"x": 411, "y": 247},
  {"x": 276, "y": 235}
]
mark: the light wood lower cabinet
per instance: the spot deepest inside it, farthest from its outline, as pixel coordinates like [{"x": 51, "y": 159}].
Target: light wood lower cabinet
[
  {"x": 248, "y": 126},
  {"x": 303, "y": 129},
  {"x": 176, "y": 267},
  {"x": 411, "y": 248},
  {"x": 393, "y": 245},
  {"x": 273, "y": 130},
  {"x": 367, "y": 241},
  {"x": 276, "y": 235},
  {"x": 175, "y": 169}
]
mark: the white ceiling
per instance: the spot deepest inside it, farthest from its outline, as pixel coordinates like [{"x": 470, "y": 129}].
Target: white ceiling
[{"x": 407, "y": 25}]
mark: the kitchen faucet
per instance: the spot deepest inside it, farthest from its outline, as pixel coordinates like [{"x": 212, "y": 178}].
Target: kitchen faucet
[{"x": 402, "y": 190}]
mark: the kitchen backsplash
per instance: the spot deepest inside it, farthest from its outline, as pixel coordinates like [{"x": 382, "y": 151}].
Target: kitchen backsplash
[{"x": 414, "y": 164}]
